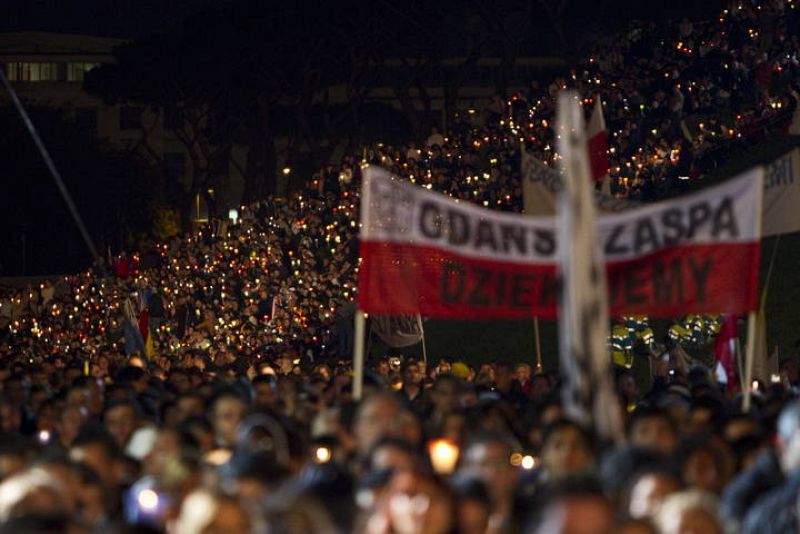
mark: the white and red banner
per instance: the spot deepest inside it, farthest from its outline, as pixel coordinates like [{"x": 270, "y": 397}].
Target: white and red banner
[{"x": 426, "y": 253}]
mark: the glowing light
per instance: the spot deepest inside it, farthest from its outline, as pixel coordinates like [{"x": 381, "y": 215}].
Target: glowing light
[
  {"x": 148, "y": 500},
  {"x": 528, "y": 462},
  {"x": 444, "y": 455},
  {"x": 322, "y": 455}
]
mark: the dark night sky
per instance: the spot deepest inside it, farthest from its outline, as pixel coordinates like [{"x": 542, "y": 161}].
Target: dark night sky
[
  {"x": 132, "y": 18},
  {"x": 112, "y": 18}
]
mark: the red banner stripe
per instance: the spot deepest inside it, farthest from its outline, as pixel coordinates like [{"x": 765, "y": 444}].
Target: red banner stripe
[{"x": 405, "y": 279}]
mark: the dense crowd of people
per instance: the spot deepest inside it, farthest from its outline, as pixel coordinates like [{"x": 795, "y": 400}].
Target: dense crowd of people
[{"x": 206, "y": 385}]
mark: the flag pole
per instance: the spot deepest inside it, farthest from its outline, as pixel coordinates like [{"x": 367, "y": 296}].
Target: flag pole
[
  {"x": 751, "y": 317},
  {"x": 51, "y": 166},
  {"x": 358, "y": 356},
  {"x": 739, "y": 357},
  {"x": 424, "y": 347},
  {"x": 538, "y": 344},
  {"x": 748, "y": 363},
  {"x": 761, "y": 351},
  {"x": 770, "y": 268}
]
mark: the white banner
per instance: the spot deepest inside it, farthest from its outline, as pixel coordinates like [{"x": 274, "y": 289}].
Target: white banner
[
  {"x": 541, "y": 184},
  {"x": 782, "y": 195}
]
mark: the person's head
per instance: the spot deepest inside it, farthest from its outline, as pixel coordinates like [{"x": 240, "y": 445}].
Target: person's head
[
  {"x": 98, "y": 450},
  {"x": 227, "y": 408},
  {"x": 188, "y": 405},
  {"x": 648, "y": 489},
  {"x": 412, "y": 374},
  {"x": 566, "y": 449},
  {"x": 284, "y": 364},
  {"x": 474, "y": 505},
  {"x": 377, "y": 417},
  {"x": 10, "y": 416},
  {"x": 121, "y": 420},
  {"x": 788, "y": 437},
  {"x": 702, "y": 465},
  {"x": 689, "y": 511},
  {"x": 445, "y": 393},
  {"x": 523, "y": 372},
  {"x": 540, "y": 386},
  {"x": 180, "y": 381},
  {"x": 503, "y": 375},
  {"x": 626, "y": 384},
  {"x": 34, "y": 491},
  {"x": 133, "y": 376},
  {"x": 69, "y": 422},
  {"x": 15, "y": 454},
  {"x": 264, "y": 393},
  {"x": 574, "y": 506},
  {"x": 417, "y": 502},
  {"x": 653, "y": 428},
  {"x": 701, "y": 413},
  {"x": 204, "y": 512},
  {"x": 15, "y": 388},
  {"x": 168, "y": 446},
  {"x": 487, "y": 457},
  {"x": 738, "y": 426},
  {"x": 788, "y": 367},
  {"x": 91, "y": 393}
]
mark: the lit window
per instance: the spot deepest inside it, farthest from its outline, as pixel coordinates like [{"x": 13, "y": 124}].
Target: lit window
[
  {"x": 77, "y": 71},
  {"x": 35, "y": 72}
]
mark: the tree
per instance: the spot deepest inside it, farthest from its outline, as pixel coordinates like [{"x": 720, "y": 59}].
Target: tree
[
  {"x": 227, "y": 76},
  {"x": 172, "y": 76}
]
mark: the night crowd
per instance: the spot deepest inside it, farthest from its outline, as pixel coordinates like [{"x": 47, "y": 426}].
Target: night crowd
[{"x": 206, "y": 385}]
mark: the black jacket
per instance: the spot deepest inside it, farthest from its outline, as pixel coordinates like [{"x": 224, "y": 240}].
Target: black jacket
[{"x": 749, "y": 486}]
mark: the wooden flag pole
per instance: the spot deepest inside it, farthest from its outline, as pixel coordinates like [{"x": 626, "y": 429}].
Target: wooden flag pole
[
  {"x": 751, "y": 317},
  {"x": 358, "y": 356},
  {"x": 739, "y": 357}
]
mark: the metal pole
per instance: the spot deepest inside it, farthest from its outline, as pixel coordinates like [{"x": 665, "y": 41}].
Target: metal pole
[
  {"x": 51, "y": 167},
  {"x": 538, "y": 344},
  {"x": 424, "y": 348},
  {"x": 358, "y": 356}
]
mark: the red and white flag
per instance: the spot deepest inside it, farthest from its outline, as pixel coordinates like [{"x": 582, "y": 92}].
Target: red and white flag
[
  {"x": 597, "y": 139},
  {"x": 426, "y": 253},
  {"x": 725, "y": 350}
]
